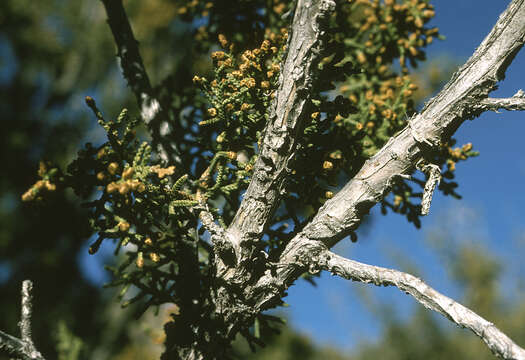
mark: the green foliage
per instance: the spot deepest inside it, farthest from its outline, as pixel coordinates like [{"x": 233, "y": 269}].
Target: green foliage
[{"x": 51, "y": 51}]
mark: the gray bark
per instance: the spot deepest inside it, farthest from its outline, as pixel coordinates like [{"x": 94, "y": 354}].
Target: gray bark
[
  {"x": 22, "y": 348},
  {"x": 516, "y": 102},
  {"x": 247, "y": 282},
  {"x": 464, "y": 97},
  {"x": 285, "y": 122},
  {"x": 439, "y": 119}
]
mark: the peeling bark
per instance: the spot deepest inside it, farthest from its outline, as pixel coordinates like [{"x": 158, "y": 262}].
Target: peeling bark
[
  {"x": 286, "y": 121},
  {"x": 245, "y": 283},
  {"x": 439, "y": 119}
]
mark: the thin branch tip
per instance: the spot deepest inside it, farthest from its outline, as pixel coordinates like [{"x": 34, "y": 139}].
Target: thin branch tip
[
  {"x": 434, "y": 177},
  {"x": 24, "y": 347},
  {"x": 499, "y": 343}
]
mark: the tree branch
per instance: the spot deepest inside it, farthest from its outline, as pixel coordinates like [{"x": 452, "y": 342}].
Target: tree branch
[
  {"x": 134, "y": 72},
  {"x": 27, "y": 310},
  {"x": 313, "y": 256},
  {"x": 516, "y": 102},
  {"x": 499, "y": 343},
  {"x": 438, "y": 120},
  {"x": 130, "y": 60},
  {"x": 434, "y": 177},
  {"x": 222, "y": 246},
  {"x": 22, "y": 348},
  {"x": 285, "y": 122}
]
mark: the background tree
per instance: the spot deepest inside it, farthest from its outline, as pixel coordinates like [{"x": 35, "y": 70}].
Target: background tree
[
  {"x": 51, "y": 55},
  {"x": 163, "y": 205}
]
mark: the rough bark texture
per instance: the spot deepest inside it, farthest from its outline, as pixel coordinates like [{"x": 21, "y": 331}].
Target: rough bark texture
[
  {"x": 286, "y": 121},
  {"x": 22, "y": 348},
  {"x": 500, "y": 344},
  {"x": 244, "y": 283},
  {"x": 517, "y": 102},
  {"x": 240, "y": 264},
  {"x": 438, "y": 120},
  {"x": 441, "y": 116}
]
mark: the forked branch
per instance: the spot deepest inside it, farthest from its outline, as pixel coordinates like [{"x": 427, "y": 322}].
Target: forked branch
[{"x": 438, "y": 120}]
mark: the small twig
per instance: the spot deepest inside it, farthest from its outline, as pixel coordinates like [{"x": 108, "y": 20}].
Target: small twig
[
  {"x": 205, "y": 216},
  {"x": 434, "y": 177},
  {"x": 22, "y": 348},
  {"x": 516, "y": 102},
  {"x": 499, "y": 343},
  {"x": 27, "y": 310},
  {"x": 223, "y": 246}
]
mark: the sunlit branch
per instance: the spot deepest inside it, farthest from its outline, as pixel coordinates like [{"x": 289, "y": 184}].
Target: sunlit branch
[
  {"x": 499, "y": 343},
  {"x": 438, "y": 120},
  {"x": 22, "y": 348},
  {"x": 516, "y": 102},
  {"x": 286, "y": 119}
]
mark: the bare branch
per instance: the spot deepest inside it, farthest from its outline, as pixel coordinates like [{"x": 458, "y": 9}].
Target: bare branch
[
  {"x": 434, "y": 177},
  {"x": 22, "y": 348},
  {"x": 439, "y": 119},
  {"x": 516, "y": 102},
  {"x": 286, "y": 120},
  {"x": 313, "y": 256},
  {"x": 27, "y": 310},
  {"x": 130, "y": 60},
  {"x": 135, "y": 73},
  {"x": 499, "y": 343}
]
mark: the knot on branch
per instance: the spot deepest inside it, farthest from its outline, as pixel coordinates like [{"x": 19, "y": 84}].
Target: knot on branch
[
  {"x": 326, "y": 7},
  {"x": 419, "y": 137}
]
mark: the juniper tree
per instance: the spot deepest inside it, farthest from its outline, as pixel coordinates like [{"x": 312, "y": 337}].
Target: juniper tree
[{"x": 249, "y": 174}]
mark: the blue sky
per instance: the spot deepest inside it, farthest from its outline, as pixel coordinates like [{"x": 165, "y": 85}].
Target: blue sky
[{"x": 489, "y": 213}]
